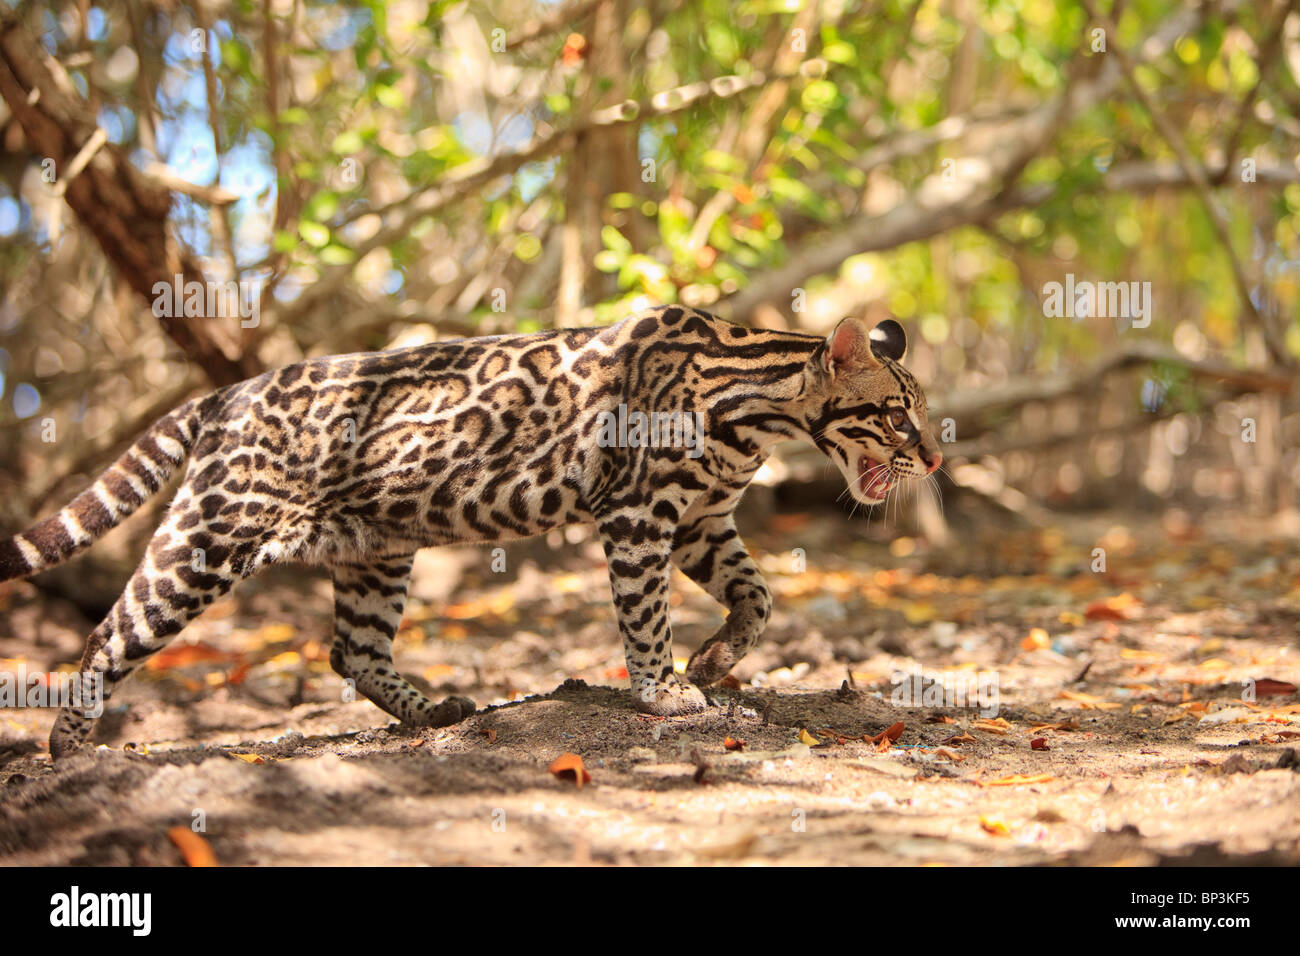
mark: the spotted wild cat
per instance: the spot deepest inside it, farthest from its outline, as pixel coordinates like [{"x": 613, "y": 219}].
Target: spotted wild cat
[{"x": 355, "y": 462}]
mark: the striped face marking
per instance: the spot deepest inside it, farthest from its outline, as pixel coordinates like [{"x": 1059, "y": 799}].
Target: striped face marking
[{"x": 873, "y": 423}]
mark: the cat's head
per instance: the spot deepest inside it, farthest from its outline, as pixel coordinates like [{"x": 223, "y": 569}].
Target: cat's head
[{"x": 866, "y": 412}]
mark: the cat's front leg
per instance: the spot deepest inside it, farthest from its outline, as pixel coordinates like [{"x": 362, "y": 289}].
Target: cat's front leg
[
  {"x": 639, "y": 555},
  {"x": 709, "y": 551}
]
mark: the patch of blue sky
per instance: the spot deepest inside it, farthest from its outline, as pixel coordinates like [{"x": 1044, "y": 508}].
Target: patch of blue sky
[
  {"x": 532, "y": 178},
  {"x": 344, "y": 30},
  {"x": 516, "y": 131},
  {"x": 27, "y": 401},
  {"x": 96, "y": 25},
  {"x": 118, "y": 122},
  {"x": 651, "y": 137},
  {"x": 13, "y": 216},
  {"x": 473, "y": 130},
  {"x": 186, "y": 146}
]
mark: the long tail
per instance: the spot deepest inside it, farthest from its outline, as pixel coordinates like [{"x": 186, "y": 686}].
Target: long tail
[{"x": 128, "y": 483}]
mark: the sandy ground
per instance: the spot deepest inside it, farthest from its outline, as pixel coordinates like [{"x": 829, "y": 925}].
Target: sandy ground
[{"x": 1144, "y": 714}]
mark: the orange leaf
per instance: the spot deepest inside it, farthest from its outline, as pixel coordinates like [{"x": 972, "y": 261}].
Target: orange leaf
[
  {"x": 1039, "y": 743},
  {"x": 569, "y": 767},
  {"x": 994, "y": 827},
  {"x": 183, "y": 655},
  {"x": 893, "y": 732},
  {"x": 237, "y": 673},
  {"x": 1037, "y": 640},
  {"x": 743, "y": 193},
  {"x": 731, "y": 743},
  {"x": 1115, "y": 608},
  {"x": 1020, "y": 780},
  {"x": 960, "y": 739},
  {"x": 575, "y": 49},
  {"x": 193, "y": 847},
  {"x": 1089, "y": 701},
  {"x": 1267, "y": 687}
]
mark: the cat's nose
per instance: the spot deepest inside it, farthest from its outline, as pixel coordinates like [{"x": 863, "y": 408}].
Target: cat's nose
[{"x": 931, "y": 463}]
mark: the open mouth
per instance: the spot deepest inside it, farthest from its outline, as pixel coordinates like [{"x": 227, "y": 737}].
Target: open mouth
[{"x": 875, "y": 478}]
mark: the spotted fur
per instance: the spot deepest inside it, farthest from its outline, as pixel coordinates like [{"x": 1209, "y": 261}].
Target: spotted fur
[{"x": 354, "y": 462}]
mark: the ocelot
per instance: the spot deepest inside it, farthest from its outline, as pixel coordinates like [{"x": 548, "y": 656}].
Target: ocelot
[{"x": 355, "y": 462}]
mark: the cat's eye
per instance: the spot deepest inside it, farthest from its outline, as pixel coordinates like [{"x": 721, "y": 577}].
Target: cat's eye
[{"x": 897, "y": 418}]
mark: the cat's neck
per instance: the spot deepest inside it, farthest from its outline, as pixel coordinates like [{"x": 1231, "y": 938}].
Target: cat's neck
[{"x": 765, "y": 401}]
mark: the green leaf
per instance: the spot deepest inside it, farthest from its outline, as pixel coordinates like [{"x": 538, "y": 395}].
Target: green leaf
[{"x": 313, "y": 233}]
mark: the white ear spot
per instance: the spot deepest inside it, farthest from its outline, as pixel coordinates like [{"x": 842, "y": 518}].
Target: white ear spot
[{"x": 889, "y": 339}]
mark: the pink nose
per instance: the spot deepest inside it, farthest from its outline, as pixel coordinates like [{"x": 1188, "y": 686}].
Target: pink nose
[{"x": 932, "y": 463}]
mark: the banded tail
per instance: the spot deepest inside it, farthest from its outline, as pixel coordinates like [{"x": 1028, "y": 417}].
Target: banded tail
[{"x": 127, "y": 484}]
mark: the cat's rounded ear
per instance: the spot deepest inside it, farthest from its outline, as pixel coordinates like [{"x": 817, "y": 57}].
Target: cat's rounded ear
[
  {"x": 848, "y": 349},
  {"x": 889, "y": 339}
]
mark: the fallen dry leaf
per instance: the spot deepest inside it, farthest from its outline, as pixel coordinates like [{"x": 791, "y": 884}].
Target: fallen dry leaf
[
  {"x": 1121, "y": 607},
  {"x": 569, "y": 767},
  {"x": 1037, "y": 640},
  {"x": 807, "y": 738},
  {"x": 1089, "y": 701},
  {"x": 1039, "y": 743},
  {"x": 1063, "y": 725},
  {"x": 183, "y": 655},
  {"x": 994, "y": 827},
  {"x": 249, "y": 758},
  {"x": 194, "y": 849},
  {"x": 1019, "y": 780},
  {"x": 890, "y": 733},
  {"x": 731, "y": 743},
  {"x": 1267, "y": 687}
]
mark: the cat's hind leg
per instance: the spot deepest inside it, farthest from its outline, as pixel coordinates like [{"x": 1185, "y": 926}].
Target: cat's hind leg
[
  {"x": 368, "y": 604},
  {"x": 185, "y": 569}
]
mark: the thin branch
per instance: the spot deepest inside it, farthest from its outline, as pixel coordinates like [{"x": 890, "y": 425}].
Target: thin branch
[
  {"x": 219, "y": 215},
  {"x": 987, "y": 189},
  {"x": 1201, "y": 182},
  {"x": 464, "y": 180},
  {"x": 552, "y": 22},
  {"x": 1263, "y": 65},
  {"x": 971, "y": 404}
]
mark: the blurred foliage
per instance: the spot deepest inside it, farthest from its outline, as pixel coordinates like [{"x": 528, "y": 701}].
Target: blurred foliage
[{"x": 374, "y": 103}]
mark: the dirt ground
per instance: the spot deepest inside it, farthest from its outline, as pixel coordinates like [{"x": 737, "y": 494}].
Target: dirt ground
[{"x": 1146, "y": 713}]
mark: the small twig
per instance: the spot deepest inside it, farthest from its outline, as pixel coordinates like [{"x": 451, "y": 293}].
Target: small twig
[
  {"x": 80, "y": 161},
  {"x": 212, "y": 195}
]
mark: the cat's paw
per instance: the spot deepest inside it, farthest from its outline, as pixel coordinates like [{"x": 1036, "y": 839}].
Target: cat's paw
[
  {"x": 711, "y": 663},
  {"x": 451, "y": 711},
  {"x": 670, "y": 698}
]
